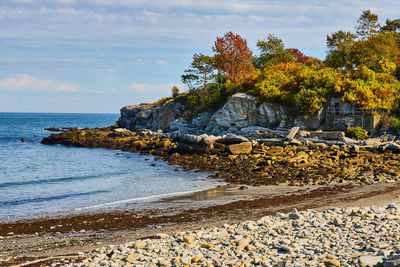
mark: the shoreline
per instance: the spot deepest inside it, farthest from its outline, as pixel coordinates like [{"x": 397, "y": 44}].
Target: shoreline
[
  {"x": 116, "y": 227},
  {"x": 374, "y": 178}
]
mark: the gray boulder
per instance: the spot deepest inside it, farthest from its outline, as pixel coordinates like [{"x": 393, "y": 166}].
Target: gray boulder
[
  {"x": 146, "y": 116},
  {"x": 135, "y": 117},
  {"x": 201, "y": 120},
  {"x": 393, "y": 147},
  {"x": 241, "y": 110},
  {"x": 231, "y": 138}
]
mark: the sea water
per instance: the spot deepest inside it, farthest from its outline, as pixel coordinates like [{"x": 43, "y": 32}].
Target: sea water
[{"x": 37, "y": 179}]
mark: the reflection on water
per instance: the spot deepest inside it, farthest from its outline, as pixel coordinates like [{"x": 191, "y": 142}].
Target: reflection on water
[{"x": 209, "y": 194}]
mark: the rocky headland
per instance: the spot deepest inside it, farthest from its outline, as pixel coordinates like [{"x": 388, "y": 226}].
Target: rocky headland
[{"x": 236, "y": 143}]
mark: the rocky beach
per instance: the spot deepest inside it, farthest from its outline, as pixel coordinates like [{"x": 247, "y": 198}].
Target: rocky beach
[
  {"x": 294, "y": 197},
  {"x": 333, "y": 237}
]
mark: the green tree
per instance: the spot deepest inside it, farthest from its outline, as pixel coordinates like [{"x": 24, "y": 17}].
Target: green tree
[
  {"x": 201, "y": 72},
  {"x": 367, "y": 24},
  {"x": 339, "y": 49},
  {"x": 370, "y": 46},
  {"x": 272, "y": 52},
  {"x": 391, "y": 26}
]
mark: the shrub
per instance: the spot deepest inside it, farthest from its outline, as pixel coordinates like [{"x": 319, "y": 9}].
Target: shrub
[
  {"x": 394, "y": 125},
  {"x": 356, "y": 133},
  {"x": 175, "y": 91}
]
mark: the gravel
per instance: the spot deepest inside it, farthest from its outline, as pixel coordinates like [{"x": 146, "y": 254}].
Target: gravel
[{"x": 368, "y": 236}]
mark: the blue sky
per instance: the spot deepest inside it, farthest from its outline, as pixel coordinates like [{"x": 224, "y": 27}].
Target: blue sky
[{"x": 99, "y": 55}]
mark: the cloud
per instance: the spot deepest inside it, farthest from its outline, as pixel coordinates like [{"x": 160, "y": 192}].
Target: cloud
[
  {"x": 25, "y": 82},
  {"x": 145, "y": 88}
]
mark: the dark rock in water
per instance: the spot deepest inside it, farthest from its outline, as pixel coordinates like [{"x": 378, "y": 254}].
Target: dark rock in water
[{"x": 51, "y": 129}]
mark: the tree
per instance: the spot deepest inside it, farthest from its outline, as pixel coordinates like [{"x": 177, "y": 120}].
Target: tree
[
  {"x": 378, "y": 47},
  {"x": 233, "y": 58},
  {"x": 371, "y": 45},
  {"x": 339, "y": 47},
  {"x": 201, "y": 72},
  {"x": 175, "y": 91},
  {"x": 367, "y": 24},
  {"x": 298, "y": 56},
  {"x": 391, "y": 26},
  {"x": 272, "y": 52}
]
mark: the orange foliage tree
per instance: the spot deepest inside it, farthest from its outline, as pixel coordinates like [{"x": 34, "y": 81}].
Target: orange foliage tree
[
  {"x": 233, "y": 58},
  {"x": 298, "y": 55}
]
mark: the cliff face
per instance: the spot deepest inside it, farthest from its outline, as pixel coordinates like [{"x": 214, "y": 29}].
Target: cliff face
[
  {"x": 150, "y": 117},
  {"x": 240, "y": 111}
]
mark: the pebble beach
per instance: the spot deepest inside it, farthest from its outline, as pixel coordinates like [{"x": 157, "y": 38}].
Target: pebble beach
[{"x": 368, "y": 236}]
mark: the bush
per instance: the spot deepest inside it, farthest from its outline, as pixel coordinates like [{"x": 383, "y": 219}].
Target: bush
[
  {"x": 358, "y": 133},
  {"x": 394, "y": 125},
  {"x": 175, "y": 91}
]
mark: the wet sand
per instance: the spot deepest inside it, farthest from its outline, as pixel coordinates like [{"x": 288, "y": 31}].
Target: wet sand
[{"x": 28, "y": 240}]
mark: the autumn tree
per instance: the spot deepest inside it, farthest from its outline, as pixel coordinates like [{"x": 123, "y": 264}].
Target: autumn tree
[
  {"x": 201, "y": 72},
  {"x": 298, "y": 56},
  {"x": 369, "y": 46},
  {"x": 272, "y": 52},
  {"x": 233, "y": 58}
]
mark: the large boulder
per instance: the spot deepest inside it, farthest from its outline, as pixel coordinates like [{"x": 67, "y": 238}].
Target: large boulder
[
  {"x": 135, "y": 116},
  {"x": 231, "y": 138},
  {"x": 163, "y": 115},
  {"x": 146, "y": 116},
  {"x": 242, "y": 110}
]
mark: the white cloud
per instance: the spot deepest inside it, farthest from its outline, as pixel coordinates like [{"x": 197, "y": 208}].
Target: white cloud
[
  {"x": 145, "y": 88},
  {"x": 25, "y": 82}
]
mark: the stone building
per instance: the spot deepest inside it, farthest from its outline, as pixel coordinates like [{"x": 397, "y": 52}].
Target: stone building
[{"x": 340, "y": 116}]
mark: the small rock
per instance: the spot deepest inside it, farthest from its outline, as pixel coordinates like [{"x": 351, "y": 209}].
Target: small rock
[
  {"x": 331, "y": 262},
  {"x": 243, "y": 243},
  {"x": 242, "y": 148},
  {"x": 188, "y": 239},
  {"x": 207, "y": 245},
  {"x": 162, "y": 236},
  {"x": 392, "y": 263},
  {"x": 337, "y": 221},
  {"x": 369, "y": 260},
  {"x": 139, "y": 244}
]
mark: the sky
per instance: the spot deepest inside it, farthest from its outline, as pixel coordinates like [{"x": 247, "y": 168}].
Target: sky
[{"x": 96, "y": 56}]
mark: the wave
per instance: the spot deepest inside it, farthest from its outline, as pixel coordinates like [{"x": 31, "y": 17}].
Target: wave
[
  {"x": 135, "y": 200},
  {"x": 58, "y": 180},
  {"x": 44, "y": 199}
]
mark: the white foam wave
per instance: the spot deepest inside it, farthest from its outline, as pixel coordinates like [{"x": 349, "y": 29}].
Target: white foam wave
[{"x": 134, "y": 200}]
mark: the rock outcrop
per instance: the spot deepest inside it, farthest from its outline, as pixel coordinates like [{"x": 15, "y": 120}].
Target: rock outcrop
[
  {"x": 146, "y": 116},
  {"x": 241, "y": 111}
]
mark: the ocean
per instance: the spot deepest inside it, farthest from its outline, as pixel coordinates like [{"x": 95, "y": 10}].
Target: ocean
[{"x": 40, "y": 180}]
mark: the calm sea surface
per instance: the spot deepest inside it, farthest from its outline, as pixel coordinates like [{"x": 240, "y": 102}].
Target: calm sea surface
[{"x": 38, "y": 179}]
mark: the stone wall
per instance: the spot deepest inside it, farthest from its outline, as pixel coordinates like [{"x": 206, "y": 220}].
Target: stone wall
[{"x": 342, "y": 122}]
